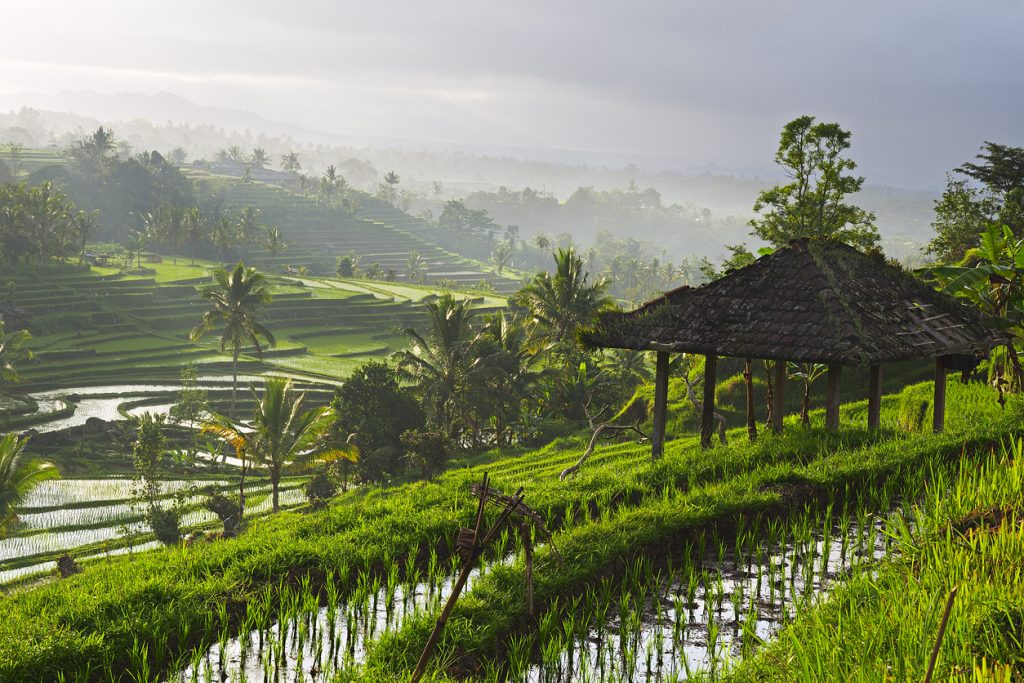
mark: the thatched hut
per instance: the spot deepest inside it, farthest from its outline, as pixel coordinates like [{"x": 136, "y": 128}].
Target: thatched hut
[{"x": 815, "y": 301}]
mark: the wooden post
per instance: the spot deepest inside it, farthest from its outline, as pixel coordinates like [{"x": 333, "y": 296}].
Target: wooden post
[
  {"x": 748, "y": 379},
  {"x": 835, "y": 372},
  {"x": 875, "y": 397},
  {"x": 660, "y": 405},
  {"x": 939, "y": 405},
  {"x": 707, "y": 418},
  {"x": 779, "y": 397},
  {"x": 528, "y": 560}
]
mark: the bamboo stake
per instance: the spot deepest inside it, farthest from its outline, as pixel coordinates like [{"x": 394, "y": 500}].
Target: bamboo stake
[{"x": 938, "y": 638}]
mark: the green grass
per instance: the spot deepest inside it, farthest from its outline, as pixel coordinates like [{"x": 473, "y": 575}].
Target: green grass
[
  {"x": 166, "y": 597},
  {"x": 968, "y": 534}
]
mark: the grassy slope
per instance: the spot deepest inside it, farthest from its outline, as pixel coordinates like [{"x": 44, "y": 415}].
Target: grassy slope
[
  {"x": 101, "y": 325},
  {"x": 168, "y": 595},
  {"x": 883, "y": 623}
]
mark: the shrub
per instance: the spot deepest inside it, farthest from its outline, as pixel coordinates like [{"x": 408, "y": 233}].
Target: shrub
[
  {"x": 164, "y": 523},
  {"x": 227, "y": 510},
  {"x": 428, "y": 449},
  {"x": 319, "y": 490}
]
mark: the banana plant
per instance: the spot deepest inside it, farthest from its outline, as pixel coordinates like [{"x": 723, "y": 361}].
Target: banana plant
[{"x": 991, "y": 276}]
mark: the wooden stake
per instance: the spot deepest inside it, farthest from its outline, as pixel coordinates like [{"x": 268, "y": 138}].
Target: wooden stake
[
  {"x": 938, "y": 638},
  {"x": 528, "y": 561},
  {"x": 707, "y": 418},
  {"x": 660, "y": 405},
  {"x": 779, "y": 398},
  {"x": 460, "y": 583},
  {"x": 832, "y": 396},
  {"x": 875, "y": 398},
  {"x": 939, "y": 405},
  {"x": 748, "y": 379}
]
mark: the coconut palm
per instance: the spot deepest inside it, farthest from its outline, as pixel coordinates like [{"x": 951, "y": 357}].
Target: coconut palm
[
  {"x": 415, "y": 267},
  {"x": 18, "y": 476},
  {"x": 248, "y": 226},
  {"x": 441, "y": 363},
  {"x": 234, "y": 299},
  {"x": 290, "y": 162},
  {"x": 196, "y": 229},
  {"x": 281, "y": 435},
  {"x": 259, "y": 158},
  {"x": 273, "y": 241},
  {"x": 564, "y": 302}
]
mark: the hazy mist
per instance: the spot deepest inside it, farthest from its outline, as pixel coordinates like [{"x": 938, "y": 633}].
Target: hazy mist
[{"x": 692, "y": 86}]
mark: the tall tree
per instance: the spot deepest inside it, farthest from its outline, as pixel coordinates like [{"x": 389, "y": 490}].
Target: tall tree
[
  {"x": 84, "y": 225},
  {"x": 273, "y": 240},
  {"x": 259, "y": 158},
  {"x": 813, "y": 203},
  {"x": 18, "y": 476},
  {"x": 290, "y": 162},
  {"x": 441, "y": 363},
  {"x": 234, "y": 299},
  {"x": 561, "y": 303},
  {"x": 249, "y": 226},
  {"x": 285, "y": 435}
]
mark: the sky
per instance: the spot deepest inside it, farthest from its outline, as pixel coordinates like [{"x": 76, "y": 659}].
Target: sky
[{"x": 695, "y": 84}]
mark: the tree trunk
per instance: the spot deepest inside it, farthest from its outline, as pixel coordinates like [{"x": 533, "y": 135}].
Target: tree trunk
[
  {"x": 234, "y": 382},
  {"x": 241, "y": 491},
  {"x": 275, "y": 482},
  {"x": 805, "y": 407},
  {"x": 770, "y": 396},
  {"x": 748, "y": 379}
]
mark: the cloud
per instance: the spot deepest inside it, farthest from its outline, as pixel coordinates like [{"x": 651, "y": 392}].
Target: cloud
[{"x": 920, "y": 82}]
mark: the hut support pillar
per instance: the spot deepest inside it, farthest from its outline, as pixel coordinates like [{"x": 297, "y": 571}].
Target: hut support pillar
[
  {"x": 660, "y": 405},
  {"x": 778, "y": 396},
  {"x": 835, "y": 372},
  {"x": 748, "y": 380},
  {"x": 939, "y": 404},
  {"x": 707, "y": 417},
  {"x": 875, "y": 397}
]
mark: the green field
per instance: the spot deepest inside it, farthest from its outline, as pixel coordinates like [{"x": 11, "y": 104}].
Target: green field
[
  {"x": 180, "y": 603},
  {"x": 100, "y": 325}
]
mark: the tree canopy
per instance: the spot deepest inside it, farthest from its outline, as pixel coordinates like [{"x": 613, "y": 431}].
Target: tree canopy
[{"x": 813, "y": 203}]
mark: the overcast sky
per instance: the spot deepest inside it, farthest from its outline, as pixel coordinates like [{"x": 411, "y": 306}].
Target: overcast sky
[{"x": 920, "y": 83}]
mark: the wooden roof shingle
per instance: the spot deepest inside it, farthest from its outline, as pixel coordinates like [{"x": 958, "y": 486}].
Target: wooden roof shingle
[{"x": 815, "y": 301}]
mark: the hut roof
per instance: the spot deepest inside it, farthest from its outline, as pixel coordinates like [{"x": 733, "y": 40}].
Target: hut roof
[{"x": 815, "y": 301}]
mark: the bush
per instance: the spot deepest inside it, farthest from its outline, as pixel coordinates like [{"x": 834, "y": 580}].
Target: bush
[
  {"x": 319, "y": 490},
  {"x": 164, "y": 523},
  {"x": 227, "y": 510},
  {"x": 428, "y": 449}
]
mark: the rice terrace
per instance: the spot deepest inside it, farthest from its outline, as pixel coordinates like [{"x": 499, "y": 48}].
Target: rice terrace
[{"x": 514, "y": 348}]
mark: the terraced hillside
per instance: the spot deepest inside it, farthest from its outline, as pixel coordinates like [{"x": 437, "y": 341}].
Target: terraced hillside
[
  {"x": 318, "y": 235},
  {"x": 100, "y": 325}
]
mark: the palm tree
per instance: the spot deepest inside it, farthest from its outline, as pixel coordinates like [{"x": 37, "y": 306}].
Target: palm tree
[
  {"x": 84, "y": 224},
  {"x": 134, "y": 244},
  {"x": 224, "y": 236},
  {"x": 234, "y": 299},
  {"x": 248, "y": 226},
  {"x": 415, "y": 267},
  {"x": 195, "y": 228},
  {"x": 290, "y": 162},
  {"x": 563, "y": 302},
  {"x": 12, "y": 352},
  {"x": 808, "y": 373},
  {"x": 259, "y": 158},
  {"x": 18, "y": 476},
  {"x": 502, "y": 256},
  {"x": 441, "y": 363},
  {"x": 282, "y": 435},
  {"x": 503, "y": 346},
  {"x": 273, "y": 241}
]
